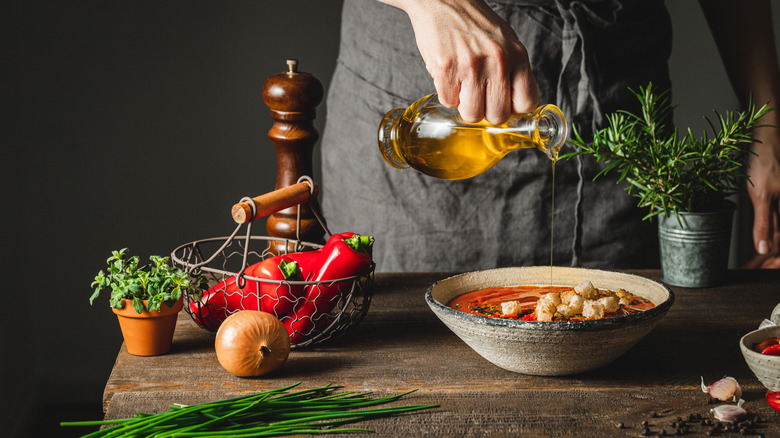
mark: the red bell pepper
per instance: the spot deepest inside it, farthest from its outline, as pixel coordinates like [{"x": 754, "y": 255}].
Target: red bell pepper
[
  {"x": 216, "y": 303},
  {"x": 761, "y": 346},
  {"x": 226, "y": 297},
  {"x": 772, "y": 350},
  {"x": 344, "y": 255},
  {"x": 278, "y": 298},
  {"x": 773, "y": 398}
]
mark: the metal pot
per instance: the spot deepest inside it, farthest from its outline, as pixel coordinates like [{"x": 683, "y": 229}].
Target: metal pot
[{"x": 695, "y": 247}]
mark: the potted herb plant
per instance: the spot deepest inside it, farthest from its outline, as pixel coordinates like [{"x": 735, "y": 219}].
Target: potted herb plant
[
  {"x": 681, "y": 179},
  {"x": 146, "y": 300}
]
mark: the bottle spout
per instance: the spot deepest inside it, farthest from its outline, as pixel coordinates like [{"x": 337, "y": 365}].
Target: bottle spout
[
  {"x": 552, "y": 130},
  {"x": 386, "y": 138}
]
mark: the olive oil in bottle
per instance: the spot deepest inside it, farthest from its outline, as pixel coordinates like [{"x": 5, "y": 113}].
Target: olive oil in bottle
[{"x": 434, "y": 140}]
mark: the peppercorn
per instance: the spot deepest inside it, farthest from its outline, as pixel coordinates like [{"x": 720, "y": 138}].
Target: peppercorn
[
  {"x": 643, "y": 423},
  {"x": 620, "y": 425}
]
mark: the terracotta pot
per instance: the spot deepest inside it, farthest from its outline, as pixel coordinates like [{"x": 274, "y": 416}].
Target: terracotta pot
[{"x": 148, "y": 333}]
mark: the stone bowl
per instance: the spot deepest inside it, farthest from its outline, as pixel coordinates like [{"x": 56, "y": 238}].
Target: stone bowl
[
  {"x": 765, "y": 367},
  {"x": 549, "y": 348}
]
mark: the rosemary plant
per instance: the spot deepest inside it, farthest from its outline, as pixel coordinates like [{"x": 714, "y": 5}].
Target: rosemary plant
[{"x": 669, "y": 172}]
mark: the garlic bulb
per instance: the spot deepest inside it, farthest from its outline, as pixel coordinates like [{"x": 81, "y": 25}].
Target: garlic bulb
[{"x": 725, "y": 389}]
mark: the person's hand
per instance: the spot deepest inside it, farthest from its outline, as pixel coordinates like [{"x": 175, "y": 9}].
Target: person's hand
[
  {"x": 474, "y": 57},
  {"x": 764, "y": 190},
  {"x": 743, "y": 33}
]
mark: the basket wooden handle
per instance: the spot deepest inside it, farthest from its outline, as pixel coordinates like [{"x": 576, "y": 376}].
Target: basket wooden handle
[{"x": 272, "y": 202}]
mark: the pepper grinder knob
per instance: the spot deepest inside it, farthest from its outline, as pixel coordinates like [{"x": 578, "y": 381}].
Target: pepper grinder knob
[{"x": 292, "y": 96}]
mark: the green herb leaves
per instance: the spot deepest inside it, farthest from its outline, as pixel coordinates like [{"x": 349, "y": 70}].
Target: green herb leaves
[
  {"x": 271, "y": 413},
  {"x": 157, "y": 282},
  {"x": 669, "y": 172}
]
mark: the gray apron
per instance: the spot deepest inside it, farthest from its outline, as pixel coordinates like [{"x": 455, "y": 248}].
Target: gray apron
[{"x": 584, "y": 56}]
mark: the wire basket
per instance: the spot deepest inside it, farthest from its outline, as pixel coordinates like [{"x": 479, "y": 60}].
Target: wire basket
[{"x": 312, "y": 311}]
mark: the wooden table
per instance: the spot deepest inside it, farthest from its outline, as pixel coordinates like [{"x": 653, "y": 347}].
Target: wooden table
[{"x": 402, "y": 346}]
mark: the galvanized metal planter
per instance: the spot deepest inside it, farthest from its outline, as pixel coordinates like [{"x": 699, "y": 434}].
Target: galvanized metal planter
[{"x": 695, "y": 248}]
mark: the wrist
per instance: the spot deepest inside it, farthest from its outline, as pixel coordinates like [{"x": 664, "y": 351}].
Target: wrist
[{"x": 403, "y": 5}]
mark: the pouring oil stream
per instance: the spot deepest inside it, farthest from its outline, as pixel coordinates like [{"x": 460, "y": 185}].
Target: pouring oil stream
[{"x": 552, "y": 223}]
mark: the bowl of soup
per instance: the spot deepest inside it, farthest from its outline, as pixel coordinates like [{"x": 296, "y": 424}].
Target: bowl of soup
[
  {"x": 764, "y": 362},
  {"x": 524, "y": 319}
]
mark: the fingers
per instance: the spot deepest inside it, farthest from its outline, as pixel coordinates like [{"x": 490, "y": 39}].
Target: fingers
[
  {"x": 754, "y": 262},
  {"x": 488, "y": 92},
  {"x": 525, "y": 92},
  {"x": 763, "y": 227},
  {"x": 771, "y": 263},
  {"x": 447, "y": 85},
  {"x": 498, "y": 99},
  {"x": 762, "y": 262},
  {"x": 472, "y": 101},
  {"x": 474, "y": 57}
]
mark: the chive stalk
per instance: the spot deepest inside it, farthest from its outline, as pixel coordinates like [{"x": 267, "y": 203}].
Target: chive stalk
[{"x": 276, "y": 412}]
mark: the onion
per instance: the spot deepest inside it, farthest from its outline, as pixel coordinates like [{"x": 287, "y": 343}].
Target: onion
[{"x": 252, "y": 343}]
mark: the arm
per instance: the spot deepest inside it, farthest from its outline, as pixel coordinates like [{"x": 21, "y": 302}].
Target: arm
[
  {"x": 743, "y": 33},
  {"x": 474, "y": 57}
]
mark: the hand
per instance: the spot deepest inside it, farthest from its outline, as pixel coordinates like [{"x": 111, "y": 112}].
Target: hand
[
  {"x": 764, "y": 191},
  {"x": 759, "y": 261},
  {"x": 474, "y": 57},
  {"x": 743, "y": 33}
]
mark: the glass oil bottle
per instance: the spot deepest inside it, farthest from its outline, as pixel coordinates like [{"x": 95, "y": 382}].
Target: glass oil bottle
[{"x": 436, "y": 141}]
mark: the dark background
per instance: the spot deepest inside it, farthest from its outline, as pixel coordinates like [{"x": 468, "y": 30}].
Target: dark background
[{"x": 138, "y": 124}]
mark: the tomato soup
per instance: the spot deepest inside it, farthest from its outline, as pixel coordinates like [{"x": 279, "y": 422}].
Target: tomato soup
[{"x": 488, "y": 302}]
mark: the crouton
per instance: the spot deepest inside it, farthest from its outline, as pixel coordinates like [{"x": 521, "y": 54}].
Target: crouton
[
  {"x": 610, "y": 304},
  {"x": 545, "y": 310},
  {"x": 587, "y": 290},
  {"x": 552, "y": 297},
  {"x": 592, "y": 309},
  {"x": 510, "y": 308}
]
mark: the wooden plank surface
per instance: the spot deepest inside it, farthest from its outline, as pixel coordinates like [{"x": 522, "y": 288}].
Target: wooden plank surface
[{"x": 402, "y": 346}]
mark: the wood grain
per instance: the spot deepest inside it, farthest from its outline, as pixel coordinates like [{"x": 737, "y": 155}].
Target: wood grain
[
  {"x": 292, "y": 98},
  {"x": 271, "y": 202},
  {"x": 402, "y": 346}
]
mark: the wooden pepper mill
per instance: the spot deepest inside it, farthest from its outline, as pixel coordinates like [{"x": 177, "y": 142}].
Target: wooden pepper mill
[{"x": 292, "y": 97}]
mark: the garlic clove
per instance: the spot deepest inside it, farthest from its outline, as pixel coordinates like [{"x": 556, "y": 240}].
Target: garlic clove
[
  {"x": 725, "y": 389},
  {"x": 729, "y": 413}
]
